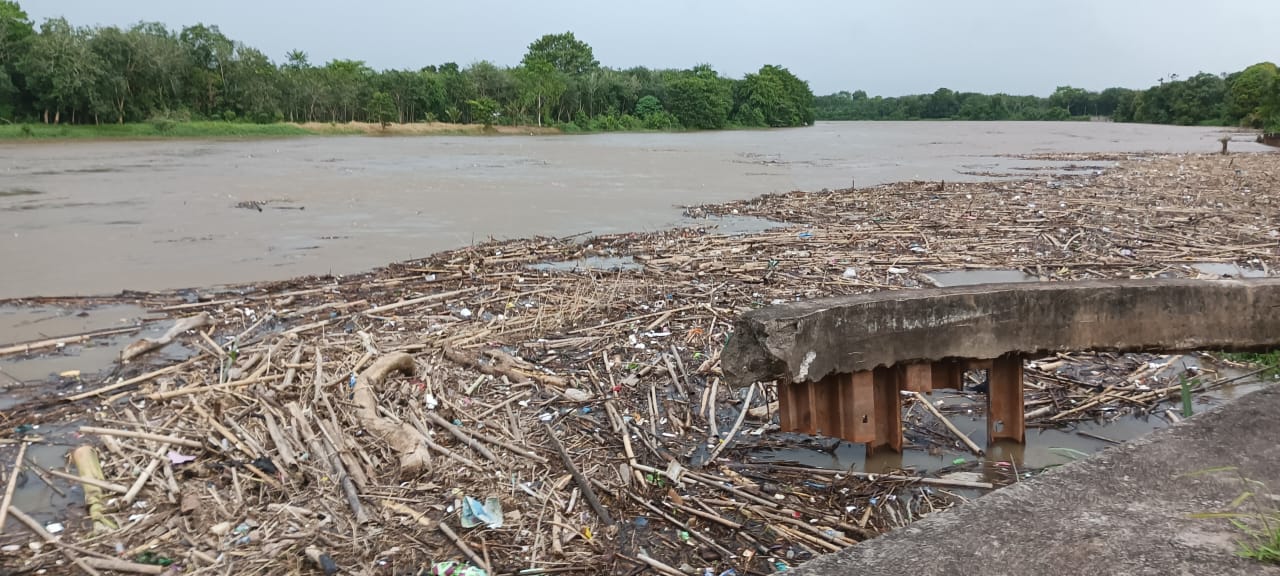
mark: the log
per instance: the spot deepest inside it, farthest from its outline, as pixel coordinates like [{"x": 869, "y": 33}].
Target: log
[
  {"x": 88, "y": 467},
  {"x": 140, "y": 436},
  {"x": 579, "y": 478},
  {"x": 114, "y": 565},
  {"x": 51, "y": 342},
  {"x": 415, "y": 453},
  {"x": 147, "y": 344},
  {"x": 12, "y": 484},
  {"x": 946, "y": 422},
  {"x": 39, "y": 530}
]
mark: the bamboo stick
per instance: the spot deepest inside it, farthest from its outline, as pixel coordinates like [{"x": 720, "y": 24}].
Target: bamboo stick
[{"x": 947, "y": 422}]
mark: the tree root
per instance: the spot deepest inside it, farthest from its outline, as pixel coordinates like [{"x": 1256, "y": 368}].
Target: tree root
[{"x": 402, "y": 437}]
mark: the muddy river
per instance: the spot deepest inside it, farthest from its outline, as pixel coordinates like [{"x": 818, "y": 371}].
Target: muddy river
[{"x": 80, "y": 218}]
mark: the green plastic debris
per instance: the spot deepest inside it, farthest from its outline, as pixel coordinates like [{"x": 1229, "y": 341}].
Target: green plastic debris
[{"x": 153, "y": 559}]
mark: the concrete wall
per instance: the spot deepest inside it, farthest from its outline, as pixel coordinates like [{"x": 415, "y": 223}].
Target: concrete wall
[
  {"x": 806, "y": 341},
  {"x": 1125, "y": 511}
]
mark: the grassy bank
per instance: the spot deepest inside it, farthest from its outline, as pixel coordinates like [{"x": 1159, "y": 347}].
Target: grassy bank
[
  {"x": 146, "y": 130},
  {"x": 214, "y": 129}
]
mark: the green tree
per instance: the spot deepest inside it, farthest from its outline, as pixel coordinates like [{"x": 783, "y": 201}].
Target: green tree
[
  {"x": 1250, "y": 93},
  {"x": 484, "y": 110},
  {"x": 700, "y": 98},
  {"x": 382, "y": 109},
  {"x": 15, "y": 31},
  {"x": 61, "y": 70},
  {"x": 1074, "y": 100},
  {"x": 540, "y": 85},
  {"x": 648, "y": 106},
  {"x": 774, "y": 97},
  {"x": 564, "y": 52},
  {"x": 943, "y": 103},
  {"x": 209, "y": 52}
]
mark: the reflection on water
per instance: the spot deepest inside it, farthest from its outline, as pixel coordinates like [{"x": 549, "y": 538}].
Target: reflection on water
[
  {"x": 35, "y": 497},
  {"x": 76, "y": 362}
]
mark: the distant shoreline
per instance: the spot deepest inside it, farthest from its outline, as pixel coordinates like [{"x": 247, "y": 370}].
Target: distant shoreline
[{"x": 218, "y": 129}]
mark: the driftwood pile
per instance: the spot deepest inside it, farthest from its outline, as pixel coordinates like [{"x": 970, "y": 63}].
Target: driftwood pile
[{"x": 468, "y": 409}]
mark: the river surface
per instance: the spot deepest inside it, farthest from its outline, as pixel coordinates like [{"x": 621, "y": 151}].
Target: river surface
[{"x": 90, "y": 218}]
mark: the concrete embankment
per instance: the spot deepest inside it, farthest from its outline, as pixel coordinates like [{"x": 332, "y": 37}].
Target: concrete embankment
[{"x": 1126, "y": 511}]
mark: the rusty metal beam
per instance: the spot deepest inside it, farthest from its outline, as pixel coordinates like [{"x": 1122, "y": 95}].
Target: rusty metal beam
[
  {"x": 887, "y": 411},
  {"x": 866, "y": 407},
  {"x": 916, "y": 377},
  {"x": 1005, "y": 417}
]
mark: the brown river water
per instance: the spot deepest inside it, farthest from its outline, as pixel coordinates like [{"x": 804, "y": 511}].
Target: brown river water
[{"x": 91, "y": 218}]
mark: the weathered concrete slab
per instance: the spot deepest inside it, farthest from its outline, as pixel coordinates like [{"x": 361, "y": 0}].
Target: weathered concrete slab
[
  {"x": 807, "y": 341},
  {"x": 1125, "y": 511}
]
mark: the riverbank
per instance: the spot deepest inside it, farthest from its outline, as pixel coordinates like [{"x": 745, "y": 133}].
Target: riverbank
[
  {"x": 349, "y": 417},
  {"x": 216, "y": 129}
]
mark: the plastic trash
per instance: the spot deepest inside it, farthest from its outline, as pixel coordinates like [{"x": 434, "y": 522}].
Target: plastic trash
[
  {"x": 176, "y": 458},
  {"x": 474, "y": 512},
  {"x": 456, "y": 568},
  {"x": 958, "y": 461},
  {"x": 153, "y": 559}
]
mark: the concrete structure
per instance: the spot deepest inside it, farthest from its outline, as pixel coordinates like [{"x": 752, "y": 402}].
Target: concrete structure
[
  {"x": 840, "y": 362},
  {"x": 1125, "y": 512}
]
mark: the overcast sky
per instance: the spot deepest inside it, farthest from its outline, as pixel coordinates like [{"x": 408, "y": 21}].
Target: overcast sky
[{"x": 887, "y": 47}]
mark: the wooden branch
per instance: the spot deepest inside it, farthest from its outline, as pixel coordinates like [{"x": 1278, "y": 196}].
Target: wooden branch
[
  {"x": 12, "y": 484},
  {"x": 579, "y": 478},
  {"x": 39, "y": 530},
  {"x": 742, "y": 415},
  {"x": 945, "y": 422},
  {"x": 146, "y": 344},
  {"x": 51, "y": 342},
  {"x": 140, "y": 436}
]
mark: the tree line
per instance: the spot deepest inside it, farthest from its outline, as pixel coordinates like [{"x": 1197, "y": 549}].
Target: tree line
[
  {"x": 1250, "y": 97},
  {"x": 59, "y": 73}
]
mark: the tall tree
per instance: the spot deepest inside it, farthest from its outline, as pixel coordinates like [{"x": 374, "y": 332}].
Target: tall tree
[
  {"x": 1250, "y": 92},
  {"x": 700, "y": 98},
  {"x": 210, "y": 53},
  {"x": 15, "y": 31},
  {"x": 61, "y": 70},
  {"x": 541, "y": 85},
  {"x": 776, "y": 96},
  {"x": 564, "y": 52}
]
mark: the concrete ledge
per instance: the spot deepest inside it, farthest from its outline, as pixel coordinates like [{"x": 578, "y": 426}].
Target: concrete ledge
[
  {"x": 1123, "y": 512},
  {"x": 807, "y": 341}
]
